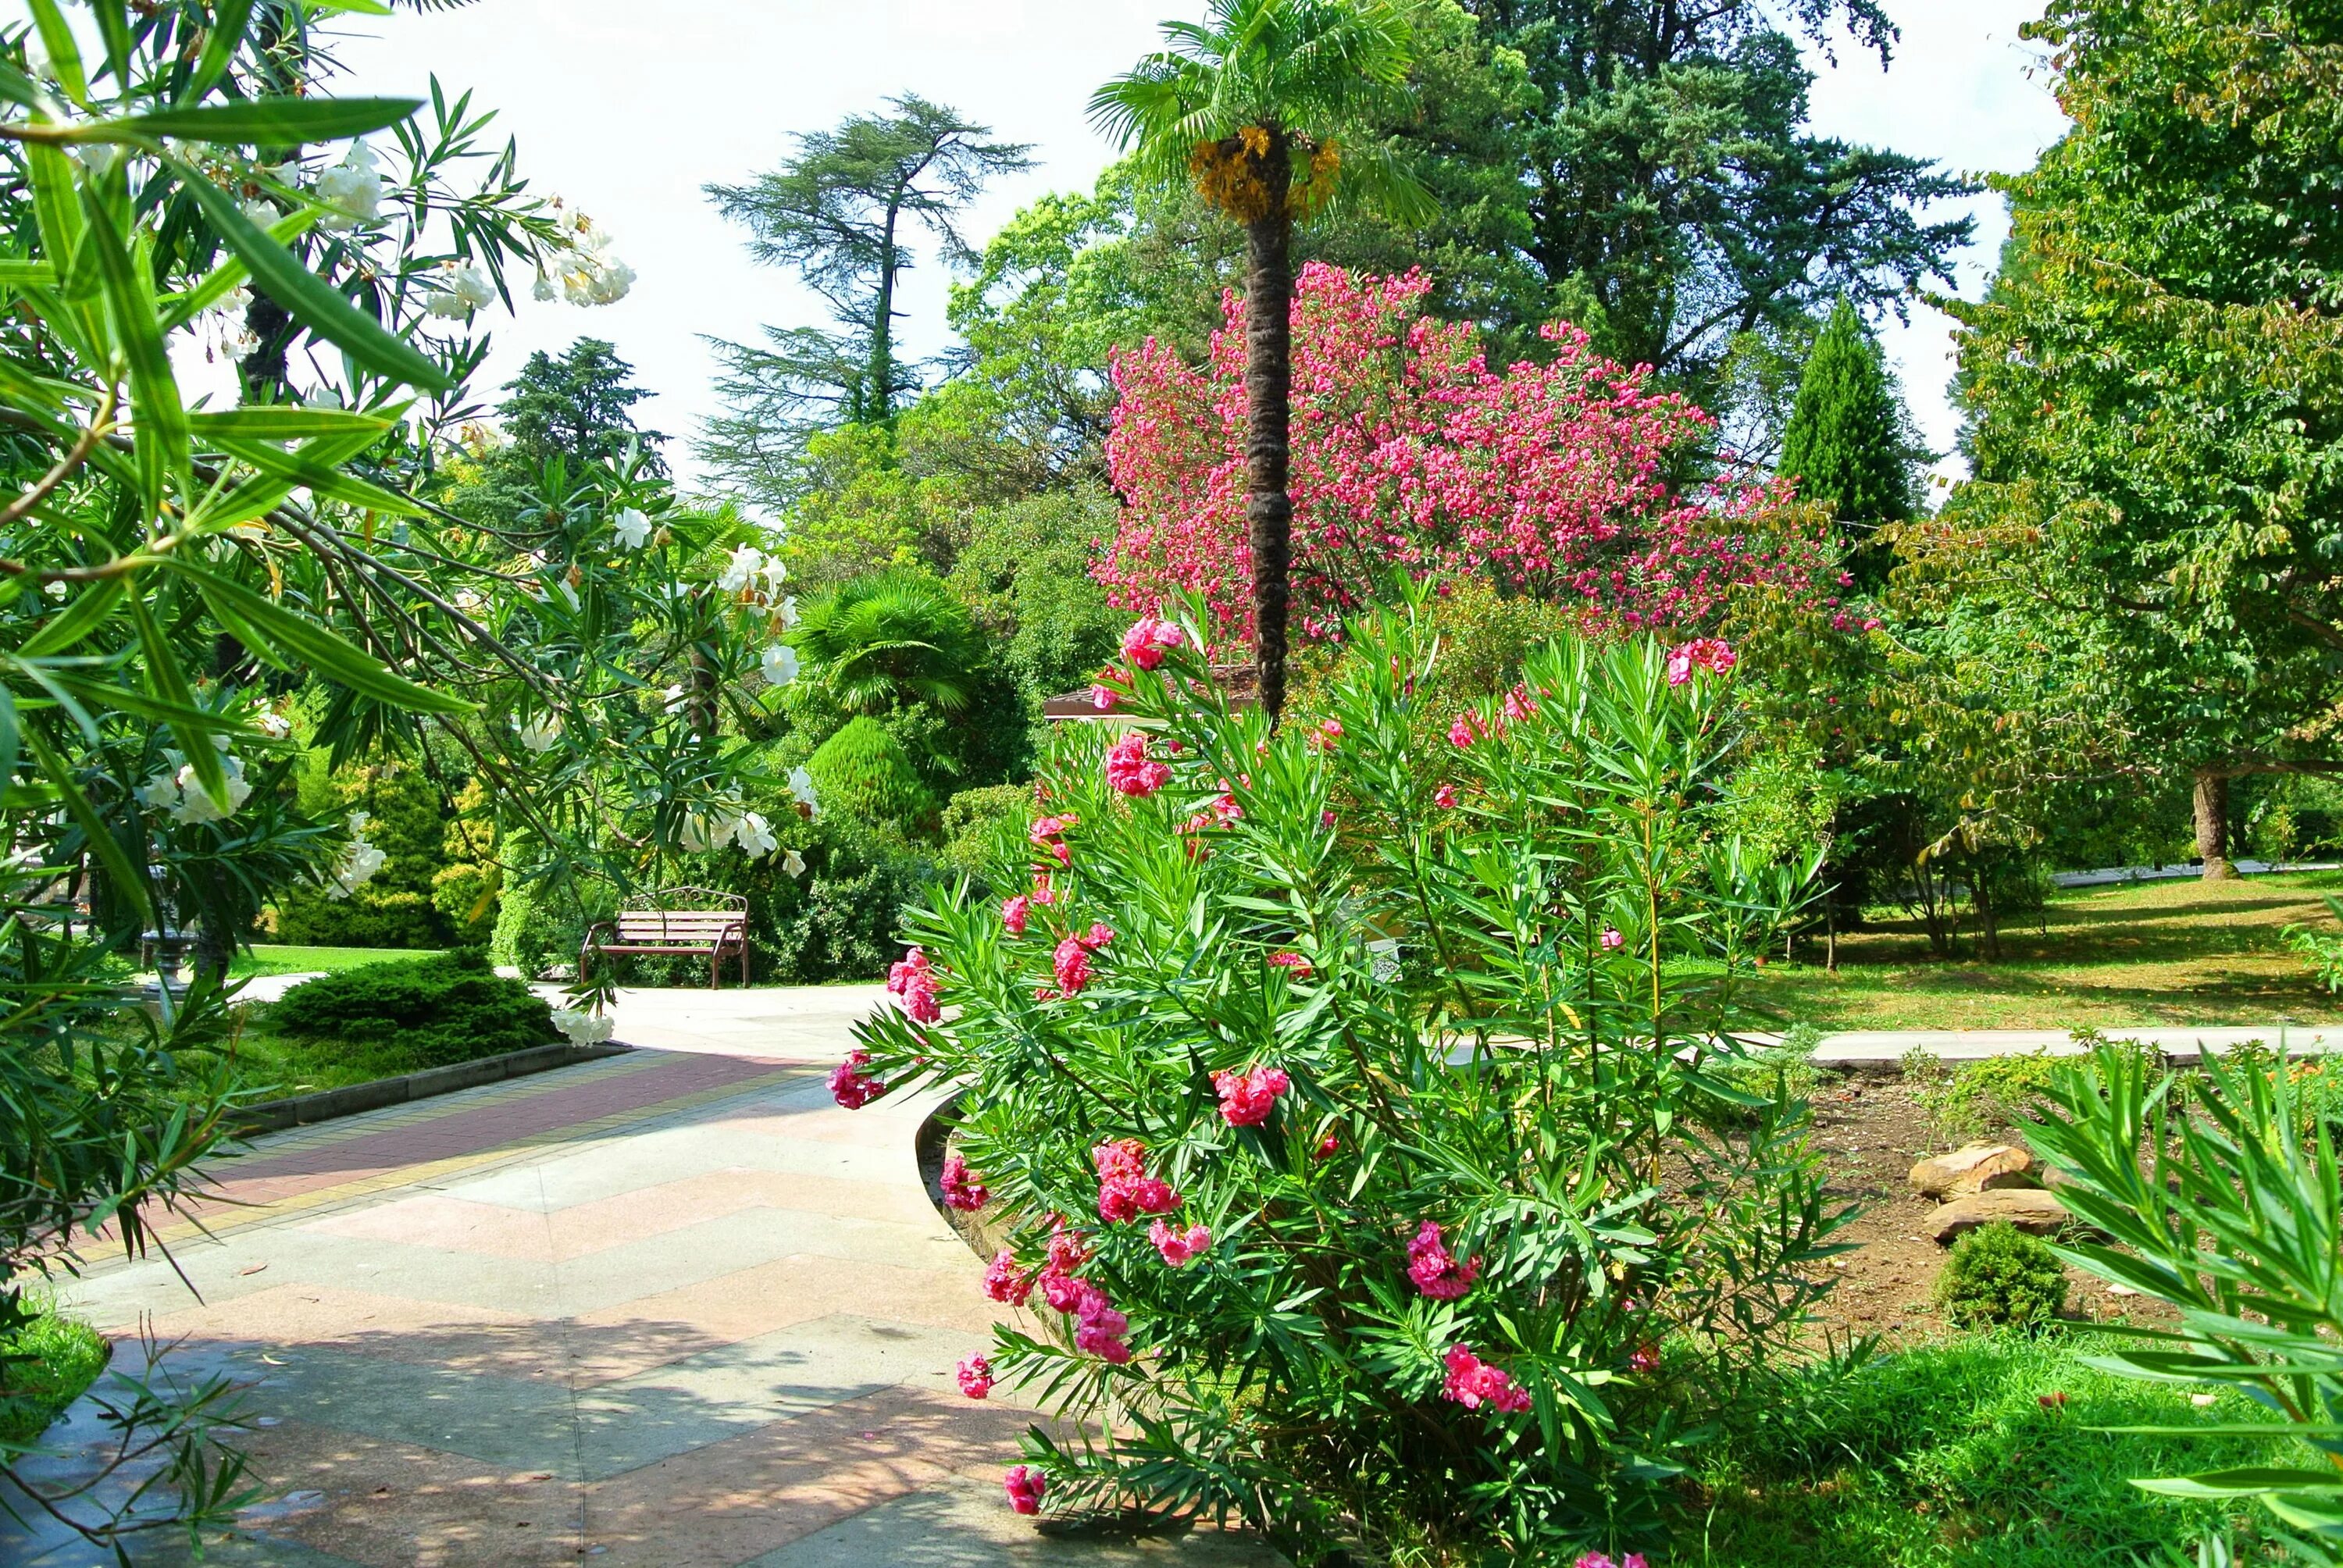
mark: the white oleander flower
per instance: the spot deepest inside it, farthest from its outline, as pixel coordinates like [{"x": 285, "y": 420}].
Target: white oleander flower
[
  {"x": 463, "y": 289},
  {"x": 633, "y": 529},
  {"x": 273, "y": 724},
  {"x": 359, "y": 862},
  {"x": 161, "y": 791},
  {"x": 196, "y": 804},
  {"x": 583, "y": 1028},
  {"x": 673, "y": 698},
  {"x": 322, "y": 396},
  {"x": 56, "y": 589},
  {"x": 793, "y": 863},
  {"x": 539, "y": 733},
  {"x": 583, "y": 270},
  {"x": 469, "y": 601},
  {"x": 754, "y": 836},
  {"x": 741, "y": 569},
  {"x": 780, "y": 664},
  {"x": 352, "y": 189},
  {"x": 776, "y": 573},
  {"x": 787, "y": 610},
  {"x": 801, "y": 788}
]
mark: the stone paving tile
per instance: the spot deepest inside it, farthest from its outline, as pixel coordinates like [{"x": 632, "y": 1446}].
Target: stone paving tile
[
  {"x": 734, "y": 1500},
  {"x": 297, "y": 1315},
  {"x": 751, "y": 1301},
  {"x": 965, "y": 1526}
]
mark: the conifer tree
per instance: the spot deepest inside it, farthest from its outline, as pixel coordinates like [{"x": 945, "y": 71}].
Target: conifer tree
[{"x": 1845, "y": 442}]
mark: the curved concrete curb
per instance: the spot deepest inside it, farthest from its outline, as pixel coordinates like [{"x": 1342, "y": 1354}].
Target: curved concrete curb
[{"x": 301, "y": 1109}]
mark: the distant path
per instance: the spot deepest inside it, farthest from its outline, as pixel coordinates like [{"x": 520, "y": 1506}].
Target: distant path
[
  {"x": 2107, "y": 876},
  {"x": 672, "y": 1309},
  {"x": 1874, "y": 1048}
]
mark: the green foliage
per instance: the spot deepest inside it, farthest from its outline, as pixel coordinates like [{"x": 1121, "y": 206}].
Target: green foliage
[
  {"x": 1025, "y": 574},
  {"x": 885, "y": 641},
  {"x": 1149, "y": 970},
  {"x": 415, "y": 1013},
  {"x": 1989, "y": 1095},
  {"x": 984, "y": 833},
  {"x": 406, "y": 819},
  {"x": 1999, "y": 1277},
  {"x": 1847, "y": 442},
  {"x": 464, "y": 890},
  {"x": 1992, "y": 1450},
  {"x": 46, "y": 1362},
  {"x": 863, "y": 773},
  {"x": 578, "y": 406},
  {"x": 2231, "y": 1213},
  {"x": 1784, "y": 1072}
]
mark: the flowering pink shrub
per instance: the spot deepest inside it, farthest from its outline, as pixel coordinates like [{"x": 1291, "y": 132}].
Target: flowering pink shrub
[
  {"x": 1128, "y": 769},
  {"x": 959, "y": 1191},
  {"x": 1377, "y": 1245},
  {"x": 1026, "y": 1486},
  {"x": 850, "y": 1086},
  {"x": 1411, "y": 452},
  {"x": 975, "y": 1375},
  {"x": 913, "y": 979}
]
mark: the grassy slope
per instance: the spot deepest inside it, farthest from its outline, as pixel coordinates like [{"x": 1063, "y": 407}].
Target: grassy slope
[
  {"x": 1945, "y": 1456},
  {"x": 65, "y": 1357},
  {"x": 2178, "y": 952},
  {"x": 266, "y": 959}
]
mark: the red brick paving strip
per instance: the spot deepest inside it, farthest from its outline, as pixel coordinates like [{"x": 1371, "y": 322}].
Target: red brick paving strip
[{"x": 267, "y": 1178}]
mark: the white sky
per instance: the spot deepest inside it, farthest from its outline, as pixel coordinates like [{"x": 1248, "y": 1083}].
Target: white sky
[{"x": 626, "y": 110}]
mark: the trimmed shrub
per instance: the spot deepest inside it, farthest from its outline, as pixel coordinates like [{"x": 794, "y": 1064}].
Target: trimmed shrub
[
  {"x": 407, "y": 821},
  {"x": 984, "y": 829},
  {"x": 415, "y": 1013},
  {"x": 1999, "y": 1277},
  {"x": 864, "y": 772}
]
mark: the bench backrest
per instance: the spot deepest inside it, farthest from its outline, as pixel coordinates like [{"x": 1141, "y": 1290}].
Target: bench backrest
[{"x": 680, "y": 925}]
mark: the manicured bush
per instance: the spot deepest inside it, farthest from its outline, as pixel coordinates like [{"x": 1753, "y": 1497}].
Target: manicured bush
[
  {"x": 1354, "y": 1125},
  {"x": 979, "y": 824},
  {"x": 417, "y": 1013},
  {"x": 864, "y": 773},
  {"x": 1999, "y": 1277},
  {"x": 406, "y": 819}
]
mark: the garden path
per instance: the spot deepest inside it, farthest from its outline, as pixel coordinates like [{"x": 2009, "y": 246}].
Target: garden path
[{"x": 668, "y": 1308}]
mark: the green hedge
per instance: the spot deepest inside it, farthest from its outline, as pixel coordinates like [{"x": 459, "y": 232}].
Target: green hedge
[{"x": 412, "y": 1014}]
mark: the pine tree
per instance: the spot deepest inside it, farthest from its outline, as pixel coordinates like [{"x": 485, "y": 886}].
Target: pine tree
[{"x": 1845, "y": 442}]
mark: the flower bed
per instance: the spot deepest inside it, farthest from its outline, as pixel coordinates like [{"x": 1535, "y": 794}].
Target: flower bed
[{"x": 1353, "y": 1120}]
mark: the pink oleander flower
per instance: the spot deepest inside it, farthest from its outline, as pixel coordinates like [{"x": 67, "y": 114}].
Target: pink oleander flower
[
  {"x": 1644, "y": 1358},
  {"x": 1445, "y": 797},
  {"x": 1062, "y": 1291},
  {"x": 960, "y": 1192},
  {"x": 1326, "y": 818},
  {"x": 1293, "y": 963},
  {"x": 1473, "y": 1383},
  {"x": 1048, "y": 833},
  {"x": 1025, "y": 1485},
  {"x": 1712, "y": 654},
  {"x": 1603, "y": 1560},
  {"x": 1434, "y": 1269},
  {"x": 1460, "y": 734},
  {"x": 975, "y": 1375},
  {"x": 913, "y": 979},
  {"x": 1102, "y": 699},
  {"x": 1611, "y": 939},
  {"x": 1131, "y": 772},
  {"x": 1099, "y": 1329},
  {"x": 1248, "y": 1098},
  {"x": 1125, "y": 1189},
  {"x": 850, "y": 1086},
  {"x": 1068, "y": 1248},
  {"x": 1014, "y": 912},
  {"x": 1005, "y": 1282},
  {"x": 1147, "y": 638},
  {"x": 1328, "y": 1146},
  {"x": 1071, "y": 959},
  {"x": 1044, "y": 893},
  {"x": 1180, "y": 1248}
]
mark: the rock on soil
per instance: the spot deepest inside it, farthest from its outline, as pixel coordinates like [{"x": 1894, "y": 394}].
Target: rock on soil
[
  {"x": 2031, "y": 1210},
  {"x": 1976, "y": 1168}
]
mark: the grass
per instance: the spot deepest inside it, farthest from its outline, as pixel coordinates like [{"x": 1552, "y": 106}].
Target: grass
[
  {"x": 268, "y": 959},
  {"x": 43, "y": 1367},
  {"x": 1946, "y": 1456},
  {"x": 2178, "y": 952}
]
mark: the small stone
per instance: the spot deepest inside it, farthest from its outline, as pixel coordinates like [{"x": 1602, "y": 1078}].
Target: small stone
[
  {"x": 1976, "y": 1168},
  {"x": 2031, "y": 1210}
]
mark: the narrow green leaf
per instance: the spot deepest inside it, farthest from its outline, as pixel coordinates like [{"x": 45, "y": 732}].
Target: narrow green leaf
[
  {"x": 333, "y": 483},
  {"x": 114, "y": 26},
  {"x": 311, "y": 299},
  {"x": 229, "y": 18},
  {"x": 17, "y": 87},
  {"x": 166, "y": 680},
  {"x": 128, "y": 880},
  {"x": 156, "y": 411},
  {"x": 222, "y": 279},
  {"x": 263, "y": 121},
  {"x": 88, "y": 610},
  {"x": 17, "y": 273},
  {"x": 56, "y": 208},
  {"x": 65, "y": 52},
  {"x": 284, "y": 422},
  {"x": 292, "y": 641},
  {"x": 11, "y": 744}
]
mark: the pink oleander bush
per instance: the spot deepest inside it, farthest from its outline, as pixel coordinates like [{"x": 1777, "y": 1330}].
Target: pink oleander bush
[
  {"x": 1411, "y": 453},
  {"x": 1368, "y": 1183}
]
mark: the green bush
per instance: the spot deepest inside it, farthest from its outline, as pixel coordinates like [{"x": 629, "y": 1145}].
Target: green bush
[
  {"x": 864, "y": 773},
  {"x": 1994, "y": 1094},
  {"x": 46, "y": 1362},
  {"x": 981, "y": 827},
  {"x": 1784, "y": 1070},
  {"x": 539, "y": 923},
  {"x": 408, "y": 822},
  {"x": 415, "y": 1013},
  {"x": 2000, "y": 1277}
]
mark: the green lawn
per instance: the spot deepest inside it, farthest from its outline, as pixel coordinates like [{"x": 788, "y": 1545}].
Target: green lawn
[
  {"x": 269, "y": 959},
  {"x": 62, "y": 1356},
  {"x": 1946, "y": 1456},
  {"x": 2177, "y": 952}
]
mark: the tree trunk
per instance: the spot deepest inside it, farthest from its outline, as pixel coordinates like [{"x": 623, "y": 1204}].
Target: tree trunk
[
  {"x": 1269, "y": 389},
  {"x": 2213, "y": 824}
]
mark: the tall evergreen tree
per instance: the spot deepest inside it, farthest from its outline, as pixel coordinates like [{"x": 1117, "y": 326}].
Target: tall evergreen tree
[
  {"x": 579, "y": 406},
  {"x": 1845, "y": 442}
]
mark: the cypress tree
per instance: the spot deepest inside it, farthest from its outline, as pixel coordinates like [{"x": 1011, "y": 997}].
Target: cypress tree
[{"x": 1846, "y": 441}]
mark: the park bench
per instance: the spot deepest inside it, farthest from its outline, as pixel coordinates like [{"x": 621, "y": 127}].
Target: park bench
[{"x": 678, "y": 921}]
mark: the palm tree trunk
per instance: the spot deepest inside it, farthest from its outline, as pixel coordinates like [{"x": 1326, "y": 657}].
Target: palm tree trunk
[{"x": 1269, "y": 392}]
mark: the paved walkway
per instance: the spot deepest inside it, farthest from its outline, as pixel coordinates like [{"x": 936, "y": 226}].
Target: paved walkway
[{"x": 668, "y": 1308}]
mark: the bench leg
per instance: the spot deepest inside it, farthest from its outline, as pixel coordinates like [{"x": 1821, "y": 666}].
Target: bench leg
[{"x": 744, "y": 961}]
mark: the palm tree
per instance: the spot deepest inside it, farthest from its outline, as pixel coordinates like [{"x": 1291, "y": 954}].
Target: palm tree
[
  {"x": 1250, "y": 104},
  {"x": 891, "y": 638}
]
